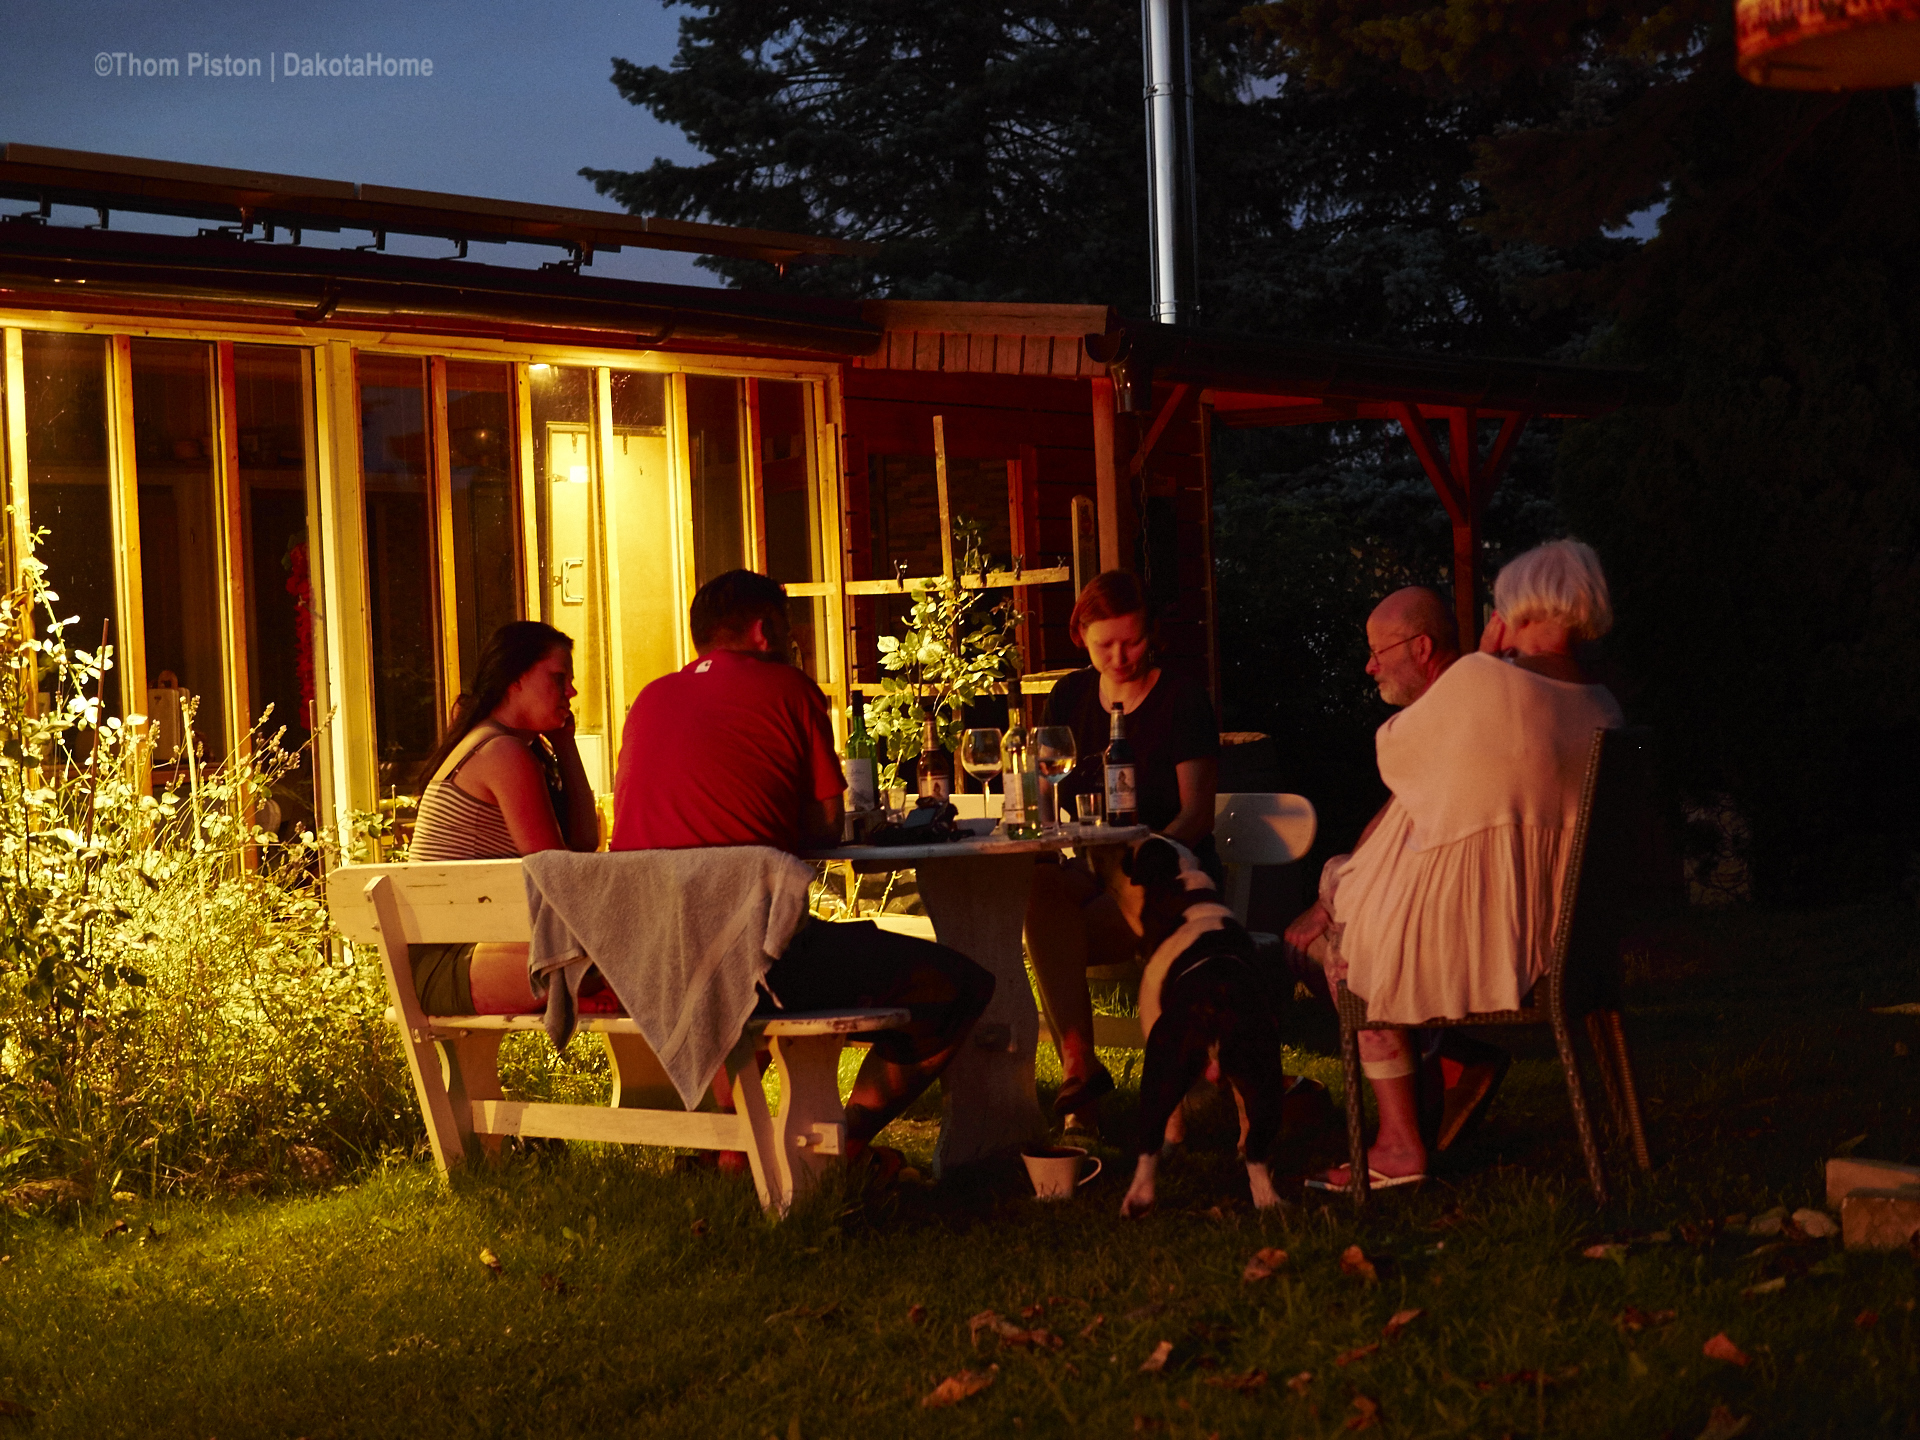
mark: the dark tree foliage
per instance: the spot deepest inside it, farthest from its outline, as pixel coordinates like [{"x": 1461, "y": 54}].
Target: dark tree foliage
[
  {"x": 1763, "y": 531},
  {"x": 997, "y": 152}
]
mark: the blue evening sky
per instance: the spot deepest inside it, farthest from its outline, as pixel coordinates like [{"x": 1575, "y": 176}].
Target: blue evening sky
[{"x": 519, "y": 99}]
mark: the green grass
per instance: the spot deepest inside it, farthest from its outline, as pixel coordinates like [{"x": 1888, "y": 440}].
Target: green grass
[{"x": 635, "y": 1300}]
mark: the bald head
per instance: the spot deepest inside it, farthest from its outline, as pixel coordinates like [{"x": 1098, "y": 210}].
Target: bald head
[{"x": 1413, "y": 639}]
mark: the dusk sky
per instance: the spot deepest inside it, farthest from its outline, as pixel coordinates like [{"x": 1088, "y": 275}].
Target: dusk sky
[{"x": 518, "y": 101}]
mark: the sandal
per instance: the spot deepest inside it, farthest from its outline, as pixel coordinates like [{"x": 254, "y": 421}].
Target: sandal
[
  {"x": 1375, "y": 1181},
  {"x": 1083, "y": 1095}
]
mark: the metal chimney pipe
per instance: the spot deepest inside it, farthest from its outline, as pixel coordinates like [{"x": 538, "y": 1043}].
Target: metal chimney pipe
[{"x": 1171, "y": 217}]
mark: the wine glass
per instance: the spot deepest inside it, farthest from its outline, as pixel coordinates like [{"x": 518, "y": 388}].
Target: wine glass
[
  {"x": 1056, "y": 750},
  {"x": 980, "y": 754}
]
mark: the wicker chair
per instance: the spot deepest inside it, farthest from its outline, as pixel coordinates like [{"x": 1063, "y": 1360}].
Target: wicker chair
[{"x": 1605, "y": 884}]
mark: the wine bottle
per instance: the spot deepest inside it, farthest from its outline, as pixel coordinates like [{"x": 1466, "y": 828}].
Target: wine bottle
[
  {"x": 1122, "y": 802},
  {"x": 1019, "y": 781},
  {"x": 934, "y": 773},
  {"x": 863, "y": 790}
]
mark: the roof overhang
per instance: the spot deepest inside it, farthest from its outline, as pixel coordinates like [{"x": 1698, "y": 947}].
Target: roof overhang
[
  {"x": 1259, "y": 381},
  {"x": 221, "y": 277},
  {"x": 248, "y": 198}
]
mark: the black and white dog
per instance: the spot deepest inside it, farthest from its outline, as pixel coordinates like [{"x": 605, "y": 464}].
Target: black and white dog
[{"x": 1205, "y": 1012}]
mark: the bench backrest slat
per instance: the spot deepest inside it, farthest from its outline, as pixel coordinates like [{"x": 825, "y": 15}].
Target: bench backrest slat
[{"x": 449, "y": 903}]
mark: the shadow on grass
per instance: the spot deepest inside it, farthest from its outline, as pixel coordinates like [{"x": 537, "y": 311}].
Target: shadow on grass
[{"x": 633, "y": 1300}]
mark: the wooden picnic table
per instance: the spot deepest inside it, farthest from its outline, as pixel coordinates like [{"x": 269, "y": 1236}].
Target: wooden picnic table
[{"x": 975, "y": 892}]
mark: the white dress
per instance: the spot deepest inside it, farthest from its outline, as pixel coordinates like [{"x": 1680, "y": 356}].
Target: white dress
[{"x": 1449, "y": 906}]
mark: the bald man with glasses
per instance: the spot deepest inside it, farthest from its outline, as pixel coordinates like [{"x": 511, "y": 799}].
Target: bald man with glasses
[{"x": 1411, "y": 641}]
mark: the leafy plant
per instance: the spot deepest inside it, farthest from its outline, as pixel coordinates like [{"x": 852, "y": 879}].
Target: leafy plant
[{"x": 955, "y": 646}]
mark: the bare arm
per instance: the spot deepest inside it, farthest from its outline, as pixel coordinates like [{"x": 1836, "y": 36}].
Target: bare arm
[
  {"x": 582, "y": 821},
  {"x": 1312, "y": 923},
  {"x": 506, "y": 775},
  {"x": 1199, "y": 780}
]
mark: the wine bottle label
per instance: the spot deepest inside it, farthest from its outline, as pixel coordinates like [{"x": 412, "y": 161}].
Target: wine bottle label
[
  {"x": 863, "y": 791},
  {"x": 936, "y": 787},
  {"x": 1120, "y": 796}
]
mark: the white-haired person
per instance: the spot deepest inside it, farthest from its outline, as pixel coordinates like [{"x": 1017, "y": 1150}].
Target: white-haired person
[{"x": 1448, "y": 904}]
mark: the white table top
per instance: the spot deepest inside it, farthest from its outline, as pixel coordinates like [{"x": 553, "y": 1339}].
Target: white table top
[{"x": 1068, "y": 837}]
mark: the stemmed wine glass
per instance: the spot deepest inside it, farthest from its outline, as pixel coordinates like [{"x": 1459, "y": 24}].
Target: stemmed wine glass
[
  {"x": 1056, "y": 750},
  {"x": 980, "y": 755}
]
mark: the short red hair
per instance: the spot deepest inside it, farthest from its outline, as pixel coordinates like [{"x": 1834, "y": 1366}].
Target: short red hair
[{"x": 1109, "y": 595}]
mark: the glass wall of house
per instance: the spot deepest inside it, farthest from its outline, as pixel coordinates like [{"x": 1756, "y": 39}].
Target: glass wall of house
[
  {"x": 483, "y": 500},
  {"x": 572, "y": 547},
  {"x": 408, "y": 684},
  {"x": 644, "y": 526},
  {"x": 270, "y": 419},
  {"x": 183, "y": 573},
  {"x": 790, "y": 511},
  {"x": 67, "y": 390},
  {"x": 720, "y": 488}
]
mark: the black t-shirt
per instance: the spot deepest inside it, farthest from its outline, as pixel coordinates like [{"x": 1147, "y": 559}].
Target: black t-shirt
[{"x": 1174, "y": 723}]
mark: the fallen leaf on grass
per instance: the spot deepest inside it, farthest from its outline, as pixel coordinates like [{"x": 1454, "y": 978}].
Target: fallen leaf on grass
[
  {"x": 1633, "y": 1319},
  {"x": 1092, "y": 1327},
  {"x": 1300, "y": 1383},
  {"x": 1866, "y": 1320},
  {"x": 699, "y": 1228},
  {"x": 553, "y": 1283},
  {"x": 1723, "y": 1424},
  {"x": 1157, "y": 1361},
  {"x": 1368, "y": 1417},
  {"x": 1027, "y": 1312},
  {"x": 1244, "y": 1384},
  {"x": 490, "y": 1260},
  {"x": 1399, "y": 1322},
  {"x": 1768, "y": 1223},
  {"x": 1765, "y": 1287},
  {"x": 1815, "y": 1224},
  {"x": 1605, "y": 1252},
  {"x": 1264, "y": 1262},
  {"x": 1353, "y": 1261},
  {"x": 119, "y": 1227},
  {"x": 1009, "y": 1333},
  {"x": 955, "y": 1388},
  {"x": 916, "y": 1314},
  {"x": 1359, "y": 1353},
  {"x": 1721, "y": 1348}
]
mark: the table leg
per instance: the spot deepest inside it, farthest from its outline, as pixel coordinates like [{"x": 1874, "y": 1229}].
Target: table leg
[{"x": 978, "y": 905}]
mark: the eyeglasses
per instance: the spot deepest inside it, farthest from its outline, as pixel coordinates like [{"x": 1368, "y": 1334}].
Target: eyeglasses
[{"x": 1389, "y": 649}]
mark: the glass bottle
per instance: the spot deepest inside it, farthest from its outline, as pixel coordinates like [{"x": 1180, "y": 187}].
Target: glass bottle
[
  {"x": 1122, "y": 802},
  {"x": 863, "y": 791},
  {"x": 934, "y": 774}
]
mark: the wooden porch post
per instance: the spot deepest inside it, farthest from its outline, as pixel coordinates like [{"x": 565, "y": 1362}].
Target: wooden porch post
[{"x": 1112, "y": 497}]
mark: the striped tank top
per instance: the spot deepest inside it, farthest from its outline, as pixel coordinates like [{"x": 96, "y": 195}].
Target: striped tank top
[{"x": 453, "y": 825}]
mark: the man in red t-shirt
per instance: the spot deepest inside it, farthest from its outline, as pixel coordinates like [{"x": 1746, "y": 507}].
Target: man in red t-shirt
[{"x": 737, "y": 749}]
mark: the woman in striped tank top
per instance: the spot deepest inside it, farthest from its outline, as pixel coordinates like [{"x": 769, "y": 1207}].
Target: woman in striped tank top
[{"x": 505, "y": 781}]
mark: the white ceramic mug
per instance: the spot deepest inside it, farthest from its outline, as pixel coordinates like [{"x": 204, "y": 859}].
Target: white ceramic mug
[{"x": 1055, "y": 1171}]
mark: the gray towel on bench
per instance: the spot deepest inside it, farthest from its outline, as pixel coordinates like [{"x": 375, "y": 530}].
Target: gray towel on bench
[{"x": 682, "y": 937}]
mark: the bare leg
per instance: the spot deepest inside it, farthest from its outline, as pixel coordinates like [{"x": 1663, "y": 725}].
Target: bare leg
[
  {"x": 1057, "y": 944},
  {"x": 499, "y": 981},
  {"x": 1397, "y": 1149}
]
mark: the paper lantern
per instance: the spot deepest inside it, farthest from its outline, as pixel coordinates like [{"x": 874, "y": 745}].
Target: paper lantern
[{"x": 1828, "y": 44}]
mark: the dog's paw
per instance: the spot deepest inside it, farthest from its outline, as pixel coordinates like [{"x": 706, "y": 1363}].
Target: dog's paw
[
  {"x": 1265, "y": 1197},
  {"x": 1140, "y": 1194}
]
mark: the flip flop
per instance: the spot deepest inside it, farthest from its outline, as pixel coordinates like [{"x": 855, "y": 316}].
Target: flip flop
[{"x": 1375, "y": 1181}]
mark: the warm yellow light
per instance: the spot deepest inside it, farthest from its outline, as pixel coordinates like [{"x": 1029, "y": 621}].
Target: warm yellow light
[
  {"x": 577, "y": 474},
  {"x": 540, "y": 367}
]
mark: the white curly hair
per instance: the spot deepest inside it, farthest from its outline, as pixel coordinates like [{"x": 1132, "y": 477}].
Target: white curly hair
[{"x": 1560, "y": 580}]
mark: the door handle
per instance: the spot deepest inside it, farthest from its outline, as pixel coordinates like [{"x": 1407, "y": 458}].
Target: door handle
[{"x": 567, "y": 567}]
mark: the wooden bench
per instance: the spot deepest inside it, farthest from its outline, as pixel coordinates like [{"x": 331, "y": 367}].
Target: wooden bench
[{"x": 454, "y": 1058}]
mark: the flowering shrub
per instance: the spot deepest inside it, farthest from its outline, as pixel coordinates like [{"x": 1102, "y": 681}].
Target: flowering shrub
[{"x": 171, "y": 1009}]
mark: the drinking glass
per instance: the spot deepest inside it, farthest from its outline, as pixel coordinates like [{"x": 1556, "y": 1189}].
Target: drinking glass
[
  {"x": 1055, "y": 750},
  {"x": 980, "y": 755}
]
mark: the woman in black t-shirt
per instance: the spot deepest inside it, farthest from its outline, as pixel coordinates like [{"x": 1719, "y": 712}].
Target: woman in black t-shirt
[{"x": 1073, "y": 916}]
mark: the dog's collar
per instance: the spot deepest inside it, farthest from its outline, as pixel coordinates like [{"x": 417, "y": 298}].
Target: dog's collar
[{"x": 1201, "y": 920}]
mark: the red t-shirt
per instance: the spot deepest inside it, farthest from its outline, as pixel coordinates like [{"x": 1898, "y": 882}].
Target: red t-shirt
[{"x": 727, "y": 751}]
